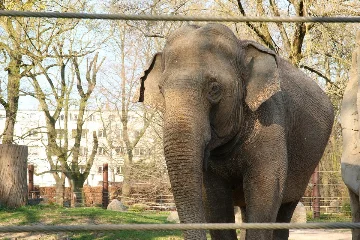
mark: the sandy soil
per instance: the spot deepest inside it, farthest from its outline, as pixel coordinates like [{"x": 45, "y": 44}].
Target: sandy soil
[
  {"x": 294, "y": 235},
  {"x": 315, "y": 234}
]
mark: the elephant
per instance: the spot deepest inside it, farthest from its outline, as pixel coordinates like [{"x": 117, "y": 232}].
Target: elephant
[
  {"x": 350, "y": 159},
  {"x": 242, "y": 127}
]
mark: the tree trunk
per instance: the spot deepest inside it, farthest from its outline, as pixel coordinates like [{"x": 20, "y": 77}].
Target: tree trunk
[
  {"x": 60, "y": 191},
  {"x": 13, "y": 179},
  {"x": 126, "y": 185},
  {"x": 13, "y": 87},
  {"x": 78, "y": 197}
]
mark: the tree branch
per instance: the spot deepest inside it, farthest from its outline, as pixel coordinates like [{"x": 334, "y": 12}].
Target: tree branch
[
  {"x": 91, "y": 159},
  {"x": 78, "y": 77},
  {"x": 4, "y": 103},
  {"x": 281, "y": 27},
  {"x": 299, "y": 35},
  {"x": 320, "y": 75},
  {"x": 255, "y": 29}
]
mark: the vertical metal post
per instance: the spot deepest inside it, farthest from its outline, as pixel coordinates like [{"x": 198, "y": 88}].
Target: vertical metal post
[
  {"x": 105, "y": 190},
  {"x": 316, "y": 193},
  {"x": 31, "y": 181}
]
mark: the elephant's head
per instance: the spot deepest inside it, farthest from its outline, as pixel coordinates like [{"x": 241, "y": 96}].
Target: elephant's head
[{"x": 203, "y": 80}]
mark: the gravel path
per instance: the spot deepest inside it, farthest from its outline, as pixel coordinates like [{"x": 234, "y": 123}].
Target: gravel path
[{"x": 312, "y": 234}]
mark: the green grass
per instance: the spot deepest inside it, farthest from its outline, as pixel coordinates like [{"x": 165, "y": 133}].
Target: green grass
[
  {"x": 53, "y": 215},
  {"x": 335, "y": 217}
]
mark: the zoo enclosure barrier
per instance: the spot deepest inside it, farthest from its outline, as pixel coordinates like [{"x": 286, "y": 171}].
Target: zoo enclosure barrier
[
  {"x": 142, "y": 194},
  {"x": 179, "y": 226},
  {"x": 316, "y": 199},
  {"x": 94, "y": 196}
]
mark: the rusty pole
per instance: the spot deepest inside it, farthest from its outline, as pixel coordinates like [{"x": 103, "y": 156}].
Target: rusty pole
[
  {"x": 316, "y": 193},
  {"x": 105, "y": 190},
  {"x": 31, "y": 181}
]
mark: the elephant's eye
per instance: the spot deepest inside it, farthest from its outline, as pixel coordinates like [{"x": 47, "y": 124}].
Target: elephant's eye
[{"x": 214, "y": 92}]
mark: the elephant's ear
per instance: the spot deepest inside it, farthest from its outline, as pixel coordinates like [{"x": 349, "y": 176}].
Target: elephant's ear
[
  {"x": 149, "y": 84},
  {"x": 262, "y": 77}
]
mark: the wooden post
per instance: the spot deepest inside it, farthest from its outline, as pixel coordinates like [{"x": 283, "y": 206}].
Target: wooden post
[
  {"x": 31, "y": 181},
  {"x": 316, "y": 193},
  {"x": 13, "y": 183},
  {"x": 105, "y": 190}
]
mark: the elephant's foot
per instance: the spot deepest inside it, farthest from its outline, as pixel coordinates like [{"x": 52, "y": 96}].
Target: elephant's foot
[
  {"x": 194, "y": 235},
  {"x": 259, "y": 234},
  {"x": 223, "y": 234}
]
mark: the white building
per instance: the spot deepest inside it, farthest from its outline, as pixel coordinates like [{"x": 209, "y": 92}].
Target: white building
[{"x": 30, "y": 130}]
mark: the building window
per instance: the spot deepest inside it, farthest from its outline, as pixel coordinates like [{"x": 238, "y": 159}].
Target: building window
[
  {"x": 62, "y": 117},
  {"x": 83, "y": 151},
  {"x": 84, "y": 133},
  {"x": 73, "y": 133},
  {"x": 73, "y": 117},
  {"x": 101, "y": 151},
  {"x": 139, "y": 151},
  {"x": 60, "y": 133},
  {"x": 102, "y": 133},
  {"x": 120, "y": 150},
  {"x": 118, "y": 170},
  {"x": 91, "y": 118},
  {"x": 100, "y": 170}
]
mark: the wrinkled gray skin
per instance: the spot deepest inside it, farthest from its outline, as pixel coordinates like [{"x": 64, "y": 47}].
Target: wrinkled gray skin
[
  {"x": 241, "y": 127},
  {"x": 350, "y": 159}
]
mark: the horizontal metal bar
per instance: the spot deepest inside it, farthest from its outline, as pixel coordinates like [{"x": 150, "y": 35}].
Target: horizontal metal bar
[
  {"x": 145, "y": 17},
  {"x": 194, "y": 226}
]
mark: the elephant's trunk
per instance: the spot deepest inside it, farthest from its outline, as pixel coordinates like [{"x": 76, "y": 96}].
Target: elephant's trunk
[{"x": 186, "y": 133}]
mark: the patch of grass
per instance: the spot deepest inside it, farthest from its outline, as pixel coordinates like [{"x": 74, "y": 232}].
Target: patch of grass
[
  {"x": 53, "y": 215},
  {"x": 336, "y": 217}
]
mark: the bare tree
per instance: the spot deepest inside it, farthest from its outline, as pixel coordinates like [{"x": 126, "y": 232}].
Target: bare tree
[
  {"x": 59, "y": 151},
  {"x": 135, "y": 43},
  {"x": 121, "y": 102},
  {"x": 22, "y": 41}
]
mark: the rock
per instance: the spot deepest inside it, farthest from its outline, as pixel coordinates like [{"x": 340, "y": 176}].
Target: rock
[
  {"x": 173, "y": 217},
  {"x": 116, "y": 205},
  {"x": 299, "y": 215}
]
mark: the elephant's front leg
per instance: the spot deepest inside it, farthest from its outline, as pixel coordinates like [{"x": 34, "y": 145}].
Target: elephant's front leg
[
  {"x": 219, "y": 206},
  {"x": 264, "y": 182}
]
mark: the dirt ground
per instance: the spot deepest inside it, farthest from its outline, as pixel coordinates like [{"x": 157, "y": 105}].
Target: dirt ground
[
  {"x": 294, "y": 235},
  {"x": 315, "y": 234}
]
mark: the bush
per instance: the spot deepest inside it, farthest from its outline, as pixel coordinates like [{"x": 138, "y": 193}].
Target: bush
[
  {"x": 309, "y": 216},
  {"x": 346, "y": 208}
]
